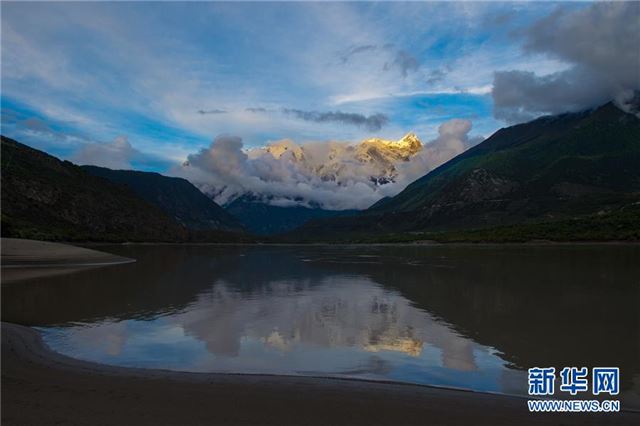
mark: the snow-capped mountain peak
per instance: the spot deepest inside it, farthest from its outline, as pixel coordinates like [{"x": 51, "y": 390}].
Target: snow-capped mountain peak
[
  {"x": 327, "y": 167},
  {"x": 409, "y": 142}
]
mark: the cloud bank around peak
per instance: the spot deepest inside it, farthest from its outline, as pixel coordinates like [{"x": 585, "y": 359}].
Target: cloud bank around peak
[
  {"x": 330, "y": 175},
  {"x": 600, "y": 45}
]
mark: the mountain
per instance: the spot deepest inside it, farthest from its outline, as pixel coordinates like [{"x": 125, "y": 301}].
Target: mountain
[
  {"x": 550, "y": 169},
  {"x": 324, "y": 174},
  {"x": 177, "y": 197},
  {"x": 372, "y": 162},
  {"x": 378, "y": 157},
  {"x": 264, "y": 219},
  {"x": 46, "y": 198}
]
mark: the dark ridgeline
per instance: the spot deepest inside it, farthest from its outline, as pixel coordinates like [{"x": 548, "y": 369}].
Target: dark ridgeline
[
  {"x": 265, "y": 219},
  {"x": 49, "y": 199},
  {"x": 570, "y": 176}
]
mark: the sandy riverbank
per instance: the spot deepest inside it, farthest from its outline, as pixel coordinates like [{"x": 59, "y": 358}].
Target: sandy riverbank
[
  {"x": 25, "y": 259},
  {"x": 41, "y": 387}
]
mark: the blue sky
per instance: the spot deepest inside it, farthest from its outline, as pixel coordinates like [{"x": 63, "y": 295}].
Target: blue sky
[{"x": 170, "y": 77}]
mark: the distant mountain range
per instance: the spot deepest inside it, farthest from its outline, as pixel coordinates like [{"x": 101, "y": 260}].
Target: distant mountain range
[
  {"x": 262, "y": 218},
  {"x": 565, "y": 177},
  {"x": 46, "y": 198},
  {"x": 551, "y": 169},
  {"x": 379, "y": 157}
]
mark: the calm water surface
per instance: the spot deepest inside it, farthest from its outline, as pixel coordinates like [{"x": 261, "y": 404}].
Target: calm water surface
[{"x": 474, "y": 317}]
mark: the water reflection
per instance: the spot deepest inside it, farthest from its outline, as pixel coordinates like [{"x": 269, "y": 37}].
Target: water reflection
[{"x": 472, "y": 317}]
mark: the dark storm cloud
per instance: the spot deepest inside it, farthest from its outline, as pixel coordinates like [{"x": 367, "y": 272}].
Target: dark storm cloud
[
  {"x": 521, "y": 95},
  {"x": 600, "y": 42},
  {"x": 372, "y": 122}
]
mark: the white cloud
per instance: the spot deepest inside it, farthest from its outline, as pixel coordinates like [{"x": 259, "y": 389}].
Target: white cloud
[
  {"x": 453, "y": 139},
  {"x": 117, "y": 154},
  {"x": 331, "y": 175}
]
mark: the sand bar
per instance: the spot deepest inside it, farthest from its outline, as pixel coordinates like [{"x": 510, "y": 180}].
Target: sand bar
[{"x": 25, "y": 259}]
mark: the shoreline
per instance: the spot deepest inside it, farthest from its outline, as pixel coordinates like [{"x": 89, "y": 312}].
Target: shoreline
[
  {"x": 39, "y": 383},
  {"x": 337, "y": 244}
]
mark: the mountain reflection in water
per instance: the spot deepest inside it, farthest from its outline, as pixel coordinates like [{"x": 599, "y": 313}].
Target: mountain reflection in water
[{"x": 472, "y": 317}]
